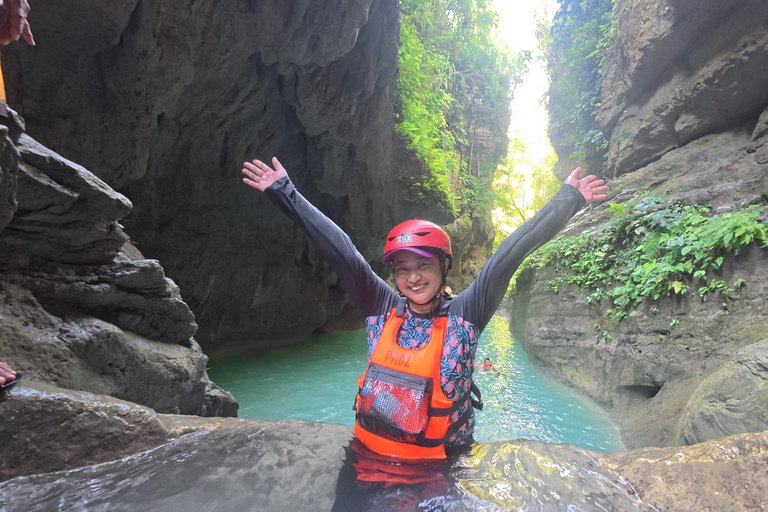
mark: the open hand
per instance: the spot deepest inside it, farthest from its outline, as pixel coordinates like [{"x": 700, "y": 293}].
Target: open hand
[
  {"x": 15, "y": 24},
  {"x": 260, "y": 176},
  {"x": 590, "y": 187}
]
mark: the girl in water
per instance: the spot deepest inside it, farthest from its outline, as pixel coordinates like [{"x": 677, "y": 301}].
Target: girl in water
[{"x": 414, "y": 400}]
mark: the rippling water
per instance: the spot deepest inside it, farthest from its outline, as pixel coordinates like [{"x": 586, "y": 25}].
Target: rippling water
[
  {"x": 289, "y": 466},
  {"x": 317, "y": 381}
]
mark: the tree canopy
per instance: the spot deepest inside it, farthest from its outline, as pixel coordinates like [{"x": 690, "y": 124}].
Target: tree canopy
[
  {"x": 455, "y": 84},
  {"x": 581, "y": 34}
]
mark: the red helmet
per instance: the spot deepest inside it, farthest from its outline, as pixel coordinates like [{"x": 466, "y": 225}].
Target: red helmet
[{"x": 416, "y": 234}]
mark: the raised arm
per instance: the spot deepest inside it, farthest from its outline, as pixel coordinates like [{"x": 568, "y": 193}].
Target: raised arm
[
  {"x": 368, "y": 291},
  {"x": 481, "y": 299}
]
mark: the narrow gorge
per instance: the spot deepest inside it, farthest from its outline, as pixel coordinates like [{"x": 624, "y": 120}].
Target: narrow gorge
[{"x": 129, "y": 249}]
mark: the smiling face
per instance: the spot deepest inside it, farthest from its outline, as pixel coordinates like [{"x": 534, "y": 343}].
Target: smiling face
[{"x": 418, "y": 278}]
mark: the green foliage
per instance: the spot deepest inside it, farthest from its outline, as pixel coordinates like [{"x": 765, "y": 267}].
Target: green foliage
[
  {"x": 423, "y": 122},
  {"x": 518, "y": 195},
  {"x": 647, "y": 252},
  {"x": 579, "y": 40},
  {"x": 454, "y": 86}
]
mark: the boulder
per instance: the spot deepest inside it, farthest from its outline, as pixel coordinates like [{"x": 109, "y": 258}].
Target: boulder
[
  {"x": 732, "y": 400},
  {"x": 71, "y": 349},
  {"x": 81, "y": 308},
  {"x": 45, "y": 428},
  {"x": 66, "y": 214},
  {"x": 123, "y": 457}
]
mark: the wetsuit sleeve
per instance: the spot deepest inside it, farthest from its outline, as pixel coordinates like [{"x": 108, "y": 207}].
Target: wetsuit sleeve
[
  {"x": 368, "y": 291},
  {"x": 479, "y": 301}
]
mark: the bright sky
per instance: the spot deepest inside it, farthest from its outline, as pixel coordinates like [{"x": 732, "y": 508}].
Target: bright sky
[{"x": 517, "y": 29}]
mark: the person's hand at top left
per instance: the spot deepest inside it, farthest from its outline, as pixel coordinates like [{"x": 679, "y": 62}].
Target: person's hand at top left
[
  {"x": 590, "y": 187},
  {"x": 15, "y": 24},
  {"x": 260, "y": 176}
]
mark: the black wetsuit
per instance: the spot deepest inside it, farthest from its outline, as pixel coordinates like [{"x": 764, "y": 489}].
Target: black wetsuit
[{"x": 468, "y": 313}]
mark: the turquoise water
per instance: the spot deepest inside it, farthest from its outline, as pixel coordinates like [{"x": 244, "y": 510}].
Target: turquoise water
[{"x": 317, "y": 381}]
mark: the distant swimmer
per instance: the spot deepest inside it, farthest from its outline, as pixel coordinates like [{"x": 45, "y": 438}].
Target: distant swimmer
[{"x": 488, "y": 366}]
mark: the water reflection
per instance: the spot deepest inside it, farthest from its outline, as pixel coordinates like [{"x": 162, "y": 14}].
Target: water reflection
[
  {"x": 295, "y": 466},
  {"x": 370, "y": 482},
  {"x": 485, "y": 478}
]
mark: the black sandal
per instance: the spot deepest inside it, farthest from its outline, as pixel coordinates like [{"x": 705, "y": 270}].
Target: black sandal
[{"x": 10, "y": 383}]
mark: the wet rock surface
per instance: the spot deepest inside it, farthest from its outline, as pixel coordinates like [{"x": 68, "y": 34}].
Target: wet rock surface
[
  {"x": 45, "y": 428},
  {"x": 717, "y": 475},
  {"x": 187, "y": 463}
]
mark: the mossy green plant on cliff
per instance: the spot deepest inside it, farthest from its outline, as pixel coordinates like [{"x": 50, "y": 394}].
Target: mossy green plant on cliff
[
  {"x": 647, "y": 253},
  {"x": 454, "y": 87},
  {"x": 579, "y": 41}
]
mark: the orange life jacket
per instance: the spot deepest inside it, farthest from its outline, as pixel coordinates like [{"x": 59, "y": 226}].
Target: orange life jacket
[{"x": 401, "y": 409}]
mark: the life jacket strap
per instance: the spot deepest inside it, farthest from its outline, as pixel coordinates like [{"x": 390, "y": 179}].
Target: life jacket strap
[
  {"x": 431, "y": 443},
  {"x": 447, "y": 411},
  {"x": 477, "y": 404},
  {"x": 444, "y": 308},
  {"x": 401, "y": 303}
]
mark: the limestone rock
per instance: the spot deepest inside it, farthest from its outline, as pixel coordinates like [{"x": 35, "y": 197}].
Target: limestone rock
[
  {"x": 733, "y": 400},
  {"x": 167, "y": 100},
  {"x": 45, "y": 428},
  {"x": 133, "y": 295},
  {"x": 680, "y": 70},
  {"x": 124, "y": 457},
  {"x": 66, "y": 214},
  {"x": 11, "y": 127},
  {"x": 73, "y": 350},
  {"x": 717, "y": 475},
  {"x": 761, "y": 128},
  {"x": 9, "y": 168},
  {"x": 471, "y": 242}
]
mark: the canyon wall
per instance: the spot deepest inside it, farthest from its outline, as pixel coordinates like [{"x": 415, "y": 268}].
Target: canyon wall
[
  {"x": 684, "y": 109},
  {"x": 165, "y": 100}
]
